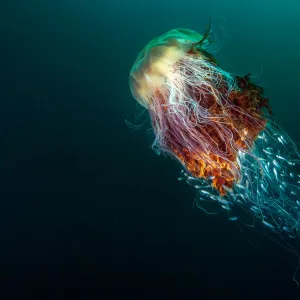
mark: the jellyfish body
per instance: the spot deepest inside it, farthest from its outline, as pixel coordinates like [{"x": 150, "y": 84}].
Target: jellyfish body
[{"x": 216, "y": 125}]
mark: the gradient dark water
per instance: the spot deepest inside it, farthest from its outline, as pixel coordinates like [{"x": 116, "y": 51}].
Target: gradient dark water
[{"x": 87, "y": 210}]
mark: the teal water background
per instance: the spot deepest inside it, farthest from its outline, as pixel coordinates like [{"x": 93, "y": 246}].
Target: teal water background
[{"x": 87, "y": 209}]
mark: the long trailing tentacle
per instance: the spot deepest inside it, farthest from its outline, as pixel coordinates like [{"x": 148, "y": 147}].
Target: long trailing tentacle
[
  {"x": 206, "y": 35},
  {"x": 213, "y": 122}
]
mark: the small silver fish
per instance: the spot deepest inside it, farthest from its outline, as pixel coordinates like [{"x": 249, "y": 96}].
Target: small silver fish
[
  {"x": 226, "y": 207},
  {"x": 268, "y": 224}
]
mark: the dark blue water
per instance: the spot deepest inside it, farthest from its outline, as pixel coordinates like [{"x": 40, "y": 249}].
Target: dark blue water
[{"x": 87, "y": 210}]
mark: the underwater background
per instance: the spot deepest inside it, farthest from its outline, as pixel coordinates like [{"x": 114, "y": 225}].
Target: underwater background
[{"x": 88, "y": 210}]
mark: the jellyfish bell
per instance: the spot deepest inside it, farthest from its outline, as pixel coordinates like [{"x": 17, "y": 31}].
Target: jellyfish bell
[{"x": 154, "y": 63}]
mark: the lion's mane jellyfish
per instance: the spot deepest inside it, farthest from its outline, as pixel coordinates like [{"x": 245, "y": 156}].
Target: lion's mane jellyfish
[{"x": 220, "y": 127}]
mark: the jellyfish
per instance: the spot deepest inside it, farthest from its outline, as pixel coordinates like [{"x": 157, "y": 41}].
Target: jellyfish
[{"x": 220, "y": 128}]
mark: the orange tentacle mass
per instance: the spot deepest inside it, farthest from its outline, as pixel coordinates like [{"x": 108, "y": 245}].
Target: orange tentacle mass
[{"x": 243, "y": 118}]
